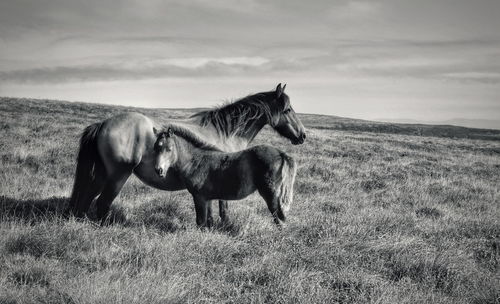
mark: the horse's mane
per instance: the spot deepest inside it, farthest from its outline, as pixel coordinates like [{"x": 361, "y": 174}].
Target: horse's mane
[
  {"x": 191, "y": 137},
  {"x": 229, "y": 119}
]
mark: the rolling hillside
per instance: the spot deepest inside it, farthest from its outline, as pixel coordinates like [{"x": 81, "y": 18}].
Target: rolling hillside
[{"x": 383, "y": 213}]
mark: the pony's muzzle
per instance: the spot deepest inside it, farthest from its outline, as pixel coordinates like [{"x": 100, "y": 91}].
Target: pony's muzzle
[{"x": 161, "y": 172}]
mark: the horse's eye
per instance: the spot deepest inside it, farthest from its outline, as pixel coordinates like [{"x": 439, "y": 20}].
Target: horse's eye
[{"x": 287, "y": 111}]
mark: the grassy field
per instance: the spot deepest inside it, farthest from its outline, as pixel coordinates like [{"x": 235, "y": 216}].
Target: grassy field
[{"x": 383, "y": 213}]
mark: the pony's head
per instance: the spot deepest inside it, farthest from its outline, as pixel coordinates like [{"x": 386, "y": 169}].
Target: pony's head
[
  {"x": 165, "y": 153},
  {"x": 284, "y": 119}
]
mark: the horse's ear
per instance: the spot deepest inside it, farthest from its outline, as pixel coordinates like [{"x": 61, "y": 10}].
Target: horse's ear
[
  {"x": 283, "y": 89},
  {"x": 155, "y": 132},
  {"x": 279, "y": 91},
  {"x": 170, "y": 132}
]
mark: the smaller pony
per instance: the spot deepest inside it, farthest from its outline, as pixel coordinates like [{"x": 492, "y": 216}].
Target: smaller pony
[{"x": 209, "y": 173}]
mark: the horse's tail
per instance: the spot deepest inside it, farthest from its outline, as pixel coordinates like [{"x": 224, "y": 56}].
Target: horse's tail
[
  {"x": 285, "y": 189},
  {"x": 88, "y": 164}
]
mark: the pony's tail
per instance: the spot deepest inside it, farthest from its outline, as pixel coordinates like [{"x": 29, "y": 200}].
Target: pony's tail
[
  {"x": 88, "y": 164},
  {"x": 285, "y": 192}
]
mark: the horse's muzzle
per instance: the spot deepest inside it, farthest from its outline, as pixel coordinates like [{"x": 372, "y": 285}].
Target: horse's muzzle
[{"x": 299, "y": 140}]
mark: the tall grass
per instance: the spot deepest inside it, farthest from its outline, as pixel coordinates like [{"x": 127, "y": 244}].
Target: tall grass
[{"x": 377, "y": 218}]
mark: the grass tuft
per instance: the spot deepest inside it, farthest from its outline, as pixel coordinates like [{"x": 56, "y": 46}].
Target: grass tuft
[
  {"x": 29, "y": 276},
  {"x": 429, "y": 212}
]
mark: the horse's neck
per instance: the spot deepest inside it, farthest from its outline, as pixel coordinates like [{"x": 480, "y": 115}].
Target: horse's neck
[
  {"x": 234, "y": 142},
  {"x": 252, "y": 128}
]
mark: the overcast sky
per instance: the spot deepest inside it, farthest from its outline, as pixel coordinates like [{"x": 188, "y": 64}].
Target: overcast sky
[{"x": 424, "y": 60}]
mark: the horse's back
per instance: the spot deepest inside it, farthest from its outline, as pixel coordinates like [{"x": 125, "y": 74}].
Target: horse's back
[{"x": 124, "y": 138}]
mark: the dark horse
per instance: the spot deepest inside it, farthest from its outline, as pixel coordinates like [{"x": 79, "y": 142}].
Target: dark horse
[
  {"x": 209, "y": 173},
  {"x": 113, "y": 149}
]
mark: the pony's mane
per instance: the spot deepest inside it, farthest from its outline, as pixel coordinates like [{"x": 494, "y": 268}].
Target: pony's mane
[
  {"x": 229, "y": 119},
  {"x": 191, "y": 137}
]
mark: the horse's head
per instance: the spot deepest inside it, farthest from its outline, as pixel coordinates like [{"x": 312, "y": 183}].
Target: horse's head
[
  {"x": 284, "y": 119},
  {"x": 164, "y": 151}
]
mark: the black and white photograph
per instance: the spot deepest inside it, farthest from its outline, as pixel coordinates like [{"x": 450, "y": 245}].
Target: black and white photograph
[{"x": 250, "y": 151}]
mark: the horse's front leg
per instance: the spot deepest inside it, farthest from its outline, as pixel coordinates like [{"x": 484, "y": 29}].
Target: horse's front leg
[{"x": 201, "y": 206}]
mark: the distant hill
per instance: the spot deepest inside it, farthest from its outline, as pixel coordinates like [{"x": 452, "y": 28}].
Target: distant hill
[
  {"x": 349, "y": 124},
  {"x": 462, "y": 122},
  {"x": 475, "y": 123},
  {"x": 326, "y": 122}
]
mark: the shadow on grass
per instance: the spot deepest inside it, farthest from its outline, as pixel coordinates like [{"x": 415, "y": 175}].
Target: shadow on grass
[
  {"x": 163, "y": 216},
  {"x": 166, "y": 217},
  {"x": 116, "y": 216},
  {"x": 231, "y": 228},
  {"x": 49, "y": 208},
  {"x": 32, "y": 209},
  {"x": 171, "y": 216}
]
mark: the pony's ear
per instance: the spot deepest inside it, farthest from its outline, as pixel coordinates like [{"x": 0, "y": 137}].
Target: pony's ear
[
  {"x": 170, "y": 132},
  {"x": 155, "y": 132},
  {"x": 283, "y": 89},
  {"x": 279, "y": 91}
]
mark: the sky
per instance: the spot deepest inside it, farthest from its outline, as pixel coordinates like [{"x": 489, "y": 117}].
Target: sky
[{"x": 427, "y": 60}]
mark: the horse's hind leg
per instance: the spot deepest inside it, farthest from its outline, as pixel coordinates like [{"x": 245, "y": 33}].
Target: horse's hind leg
[
  {"x": 88, "y": 197},
  {"x": 111, "y": 189}
]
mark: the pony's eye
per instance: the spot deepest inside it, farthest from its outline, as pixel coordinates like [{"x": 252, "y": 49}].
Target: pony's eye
[{"x": 287, "y": 111}]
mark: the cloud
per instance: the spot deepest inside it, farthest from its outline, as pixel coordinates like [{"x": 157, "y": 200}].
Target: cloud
[
  {"x": 180, "y": 67},
  {"x": 474, "y": 76},
  {"x": 472, "y": 60},
  {"x": 132, "y": 39},
  {"x": 349, "y": 59},
  {"x": 425, "y": 67},
  {"x": 356, "y": 9}
]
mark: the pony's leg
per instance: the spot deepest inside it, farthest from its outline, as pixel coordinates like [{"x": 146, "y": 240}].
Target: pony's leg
[
  {"x": 113, "y": 186},
  {"x": 210, "y": 218},
  {"x": 201, "y": 208},
  {"x": 223, "y": 211}
]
